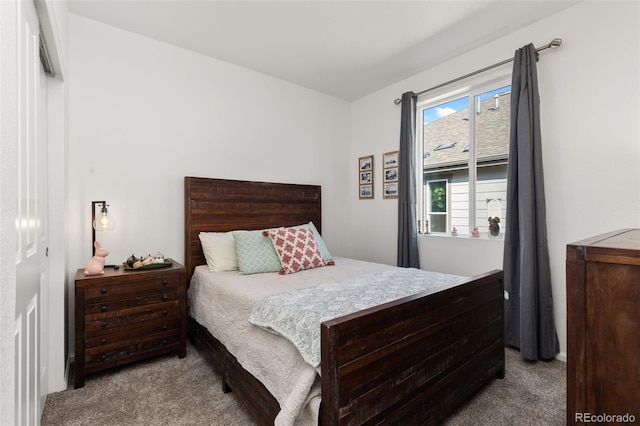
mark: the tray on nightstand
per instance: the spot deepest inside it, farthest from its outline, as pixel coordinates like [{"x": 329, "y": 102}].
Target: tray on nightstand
[{"x": 165, "y": 264}]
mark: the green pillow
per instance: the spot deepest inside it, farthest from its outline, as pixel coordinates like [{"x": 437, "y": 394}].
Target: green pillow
[
  {"x": 326, "y": 256},
  {"x": 255, "y": 253}
]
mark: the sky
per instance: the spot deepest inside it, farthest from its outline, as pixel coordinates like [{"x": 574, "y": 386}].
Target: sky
[{"x": 434, "y": 113}]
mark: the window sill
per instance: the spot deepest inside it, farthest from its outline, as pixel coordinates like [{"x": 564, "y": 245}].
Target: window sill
[{"x": 482, "y": 237}]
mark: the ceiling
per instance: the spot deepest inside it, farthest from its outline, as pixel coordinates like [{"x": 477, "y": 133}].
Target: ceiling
[{"x": 347, "y": 49}]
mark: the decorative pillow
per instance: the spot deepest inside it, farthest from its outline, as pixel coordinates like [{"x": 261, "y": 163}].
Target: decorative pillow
[
  {"x": 220, "y": 251},
  {"x": 296, "y": 248},
  {"x": 255, "y": 253},
  {"x": 319, "y": 241}
]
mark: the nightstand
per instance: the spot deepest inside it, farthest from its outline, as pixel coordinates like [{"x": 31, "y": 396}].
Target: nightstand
[{"x": 125, "y": 316}]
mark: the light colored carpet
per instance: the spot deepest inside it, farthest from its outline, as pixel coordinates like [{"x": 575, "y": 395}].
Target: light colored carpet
[
  {"x": 172, "y": 391},
  {"x": 532, "y": 393}
]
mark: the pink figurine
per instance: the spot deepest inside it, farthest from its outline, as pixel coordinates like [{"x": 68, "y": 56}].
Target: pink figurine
[
  {"x": 475, "y": 233},
  {"x": 95, "y": 266}
]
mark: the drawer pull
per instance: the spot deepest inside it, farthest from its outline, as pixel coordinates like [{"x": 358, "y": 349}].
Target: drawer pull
[
  {"x": 103, "y": 308},
  {"x": 165, "y": 297},
  {"x": 165, "y": 312},
  {"x": 165, "y": 327},
  {"x": 103, "y": 341},
  {"x": 103, "y": 357},
  {"x": 164, "y": 341},
  {"x": 103, "y": 324},
  {"x": 165, "y": 282},
  {"x": 103, "y": 290}
]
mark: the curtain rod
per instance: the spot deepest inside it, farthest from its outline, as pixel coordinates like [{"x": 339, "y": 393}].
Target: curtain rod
[{"x": 556, "y": 42}]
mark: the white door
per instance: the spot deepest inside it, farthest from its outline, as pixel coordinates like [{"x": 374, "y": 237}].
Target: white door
[{"x": 31, "y": 263}]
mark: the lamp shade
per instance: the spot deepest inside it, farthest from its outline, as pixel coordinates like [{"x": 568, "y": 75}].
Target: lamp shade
[
  {"x": 101, "y": 222},
  {"x": 104, "y": 221}
]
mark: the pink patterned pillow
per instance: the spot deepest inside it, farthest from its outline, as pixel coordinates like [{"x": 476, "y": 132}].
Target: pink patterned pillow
[{"x": 296, "y": 248}]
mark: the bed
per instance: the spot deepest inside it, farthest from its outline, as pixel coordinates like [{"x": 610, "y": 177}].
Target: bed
[{"x": 408, "y": 361}]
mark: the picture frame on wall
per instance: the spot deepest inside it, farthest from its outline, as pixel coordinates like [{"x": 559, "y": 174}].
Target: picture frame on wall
[
  {"x": 391, "y": 174},
  {"x": 390, "y": 159},
  {"x": 366, "y": 163},
  {"x": 390, "y": 170},
  {"x": 365, "y": 177},
  {"x": 391, "y": 190},
  {"x": 366, "y": 191}
]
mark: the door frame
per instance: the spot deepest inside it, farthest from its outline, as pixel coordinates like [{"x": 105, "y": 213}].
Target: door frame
[{"x": 53, "y": 16}]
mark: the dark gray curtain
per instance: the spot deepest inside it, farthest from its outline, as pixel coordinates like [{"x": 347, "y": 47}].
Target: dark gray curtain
[
  {"x": 529, "y": 322},
  {"x": 407, "y": 225}
]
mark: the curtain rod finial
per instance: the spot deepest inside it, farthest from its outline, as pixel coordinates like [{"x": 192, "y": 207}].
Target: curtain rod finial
[{"x": 556, "y": 42}]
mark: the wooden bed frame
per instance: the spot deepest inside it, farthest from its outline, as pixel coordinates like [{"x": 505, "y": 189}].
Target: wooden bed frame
[{"x": 410, "y": 361}]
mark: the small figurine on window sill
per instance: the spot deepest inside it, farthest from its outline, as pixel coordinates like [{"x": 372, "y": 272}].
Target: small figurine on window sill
[
  {"x": 494, "y": 227},
  {"x": 475, "y": 233},
  {"x": 95, "y": 266},
  {"x": 454, "y": 232}
]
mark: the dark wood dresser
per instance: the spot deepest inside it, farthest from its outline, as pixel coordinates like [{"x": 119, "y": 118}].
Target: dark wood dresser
[
  {"x": 125, "y": 316},
  {"x": 603, "y": 328}
]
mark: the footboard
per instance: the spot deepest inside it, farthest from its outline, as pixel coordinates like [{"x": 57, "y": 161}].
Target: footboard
[{"x": 414, "y": 360}]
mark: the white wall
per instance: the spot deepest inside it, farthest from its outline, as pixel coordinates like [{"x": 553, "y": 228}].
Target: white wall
[
  {"x": 144, "y": 114},
  {"x": 590, "y": 109}
]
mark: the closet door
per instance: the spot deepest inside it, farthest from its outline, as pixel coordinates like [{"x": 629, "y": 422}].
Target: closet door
[{"x": 31, "y": 220}]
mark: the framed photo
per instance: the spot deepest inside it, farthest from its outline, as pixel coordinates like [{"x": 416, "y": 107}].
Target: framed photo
[
  {"x": 365, "y": 177},
  {"x": 391, "y": 190},
  {"x": 390, "y": 169},
  {"x": 391, "y": 174},
  {"x": 390, "y": 159},
  {"x": 366, "y": 163},
  {"x": 366, "y": 191}
]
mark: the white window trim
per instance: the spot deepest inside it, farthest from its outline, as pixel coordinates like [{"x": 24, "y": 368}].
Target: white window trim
[
  {"x": 447, "y": 211},
  {"x": 471, "y": 87}
]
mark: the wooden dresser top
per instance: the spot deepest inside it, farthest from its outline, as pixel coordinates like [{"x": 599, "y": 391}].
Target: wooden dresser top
[
  {"x": 109, "y": 272},
  {"x": 622, "y": 246}
]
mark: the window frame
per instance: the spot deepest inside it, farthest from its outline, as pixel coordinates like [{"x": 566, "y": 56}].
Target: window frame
[
  {"x": 447, "y": 209},
  {"x": 471, "y": 89}
]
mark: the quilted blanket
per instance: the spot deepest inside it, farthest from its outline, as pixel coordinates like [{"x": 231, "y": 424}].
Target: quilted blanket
[{"x": 297, "y": 315}]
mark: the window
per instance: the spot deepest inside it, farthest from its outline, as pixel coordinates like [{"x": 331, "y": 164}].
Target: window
[
  {"x": 436, "y": 191},
  {"x": 464, "y": 159}
]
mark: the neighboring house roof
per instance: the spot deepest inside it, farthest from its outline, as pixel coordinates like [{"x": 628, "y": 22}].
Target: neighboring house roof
[{"x": 446, "y": 140}]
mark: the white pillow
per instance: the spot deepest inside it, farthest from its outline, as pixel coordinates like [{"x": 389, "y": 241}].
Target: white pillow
[{"x": 220, "y": 251}]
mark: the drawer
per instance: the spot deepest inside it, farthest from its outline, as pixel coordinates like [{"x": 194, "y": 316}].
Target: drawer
[
  {"x": 132, "y": 348},
  {"x": 104, "y": 321},
  {"x": 128, "y": 289},
  {"x": 116, "y": 305},
  {"x": 112, "y": 337}
]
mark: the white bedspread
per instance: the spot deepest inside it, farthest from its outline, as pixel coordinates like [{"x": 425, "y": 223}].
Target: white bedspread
[
  {"x": 298, "y": 314},
  {"x": 223, "y": 302}
]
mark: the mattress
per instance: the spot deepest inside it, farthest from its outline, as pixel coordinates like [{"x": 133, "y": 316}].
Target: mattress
[{"x": 223, "y": 302}]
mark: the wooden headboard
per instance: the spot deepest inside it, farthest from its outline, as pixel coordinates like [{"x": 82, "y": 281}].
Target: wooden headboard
[{"x": 222, "y": 205}]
